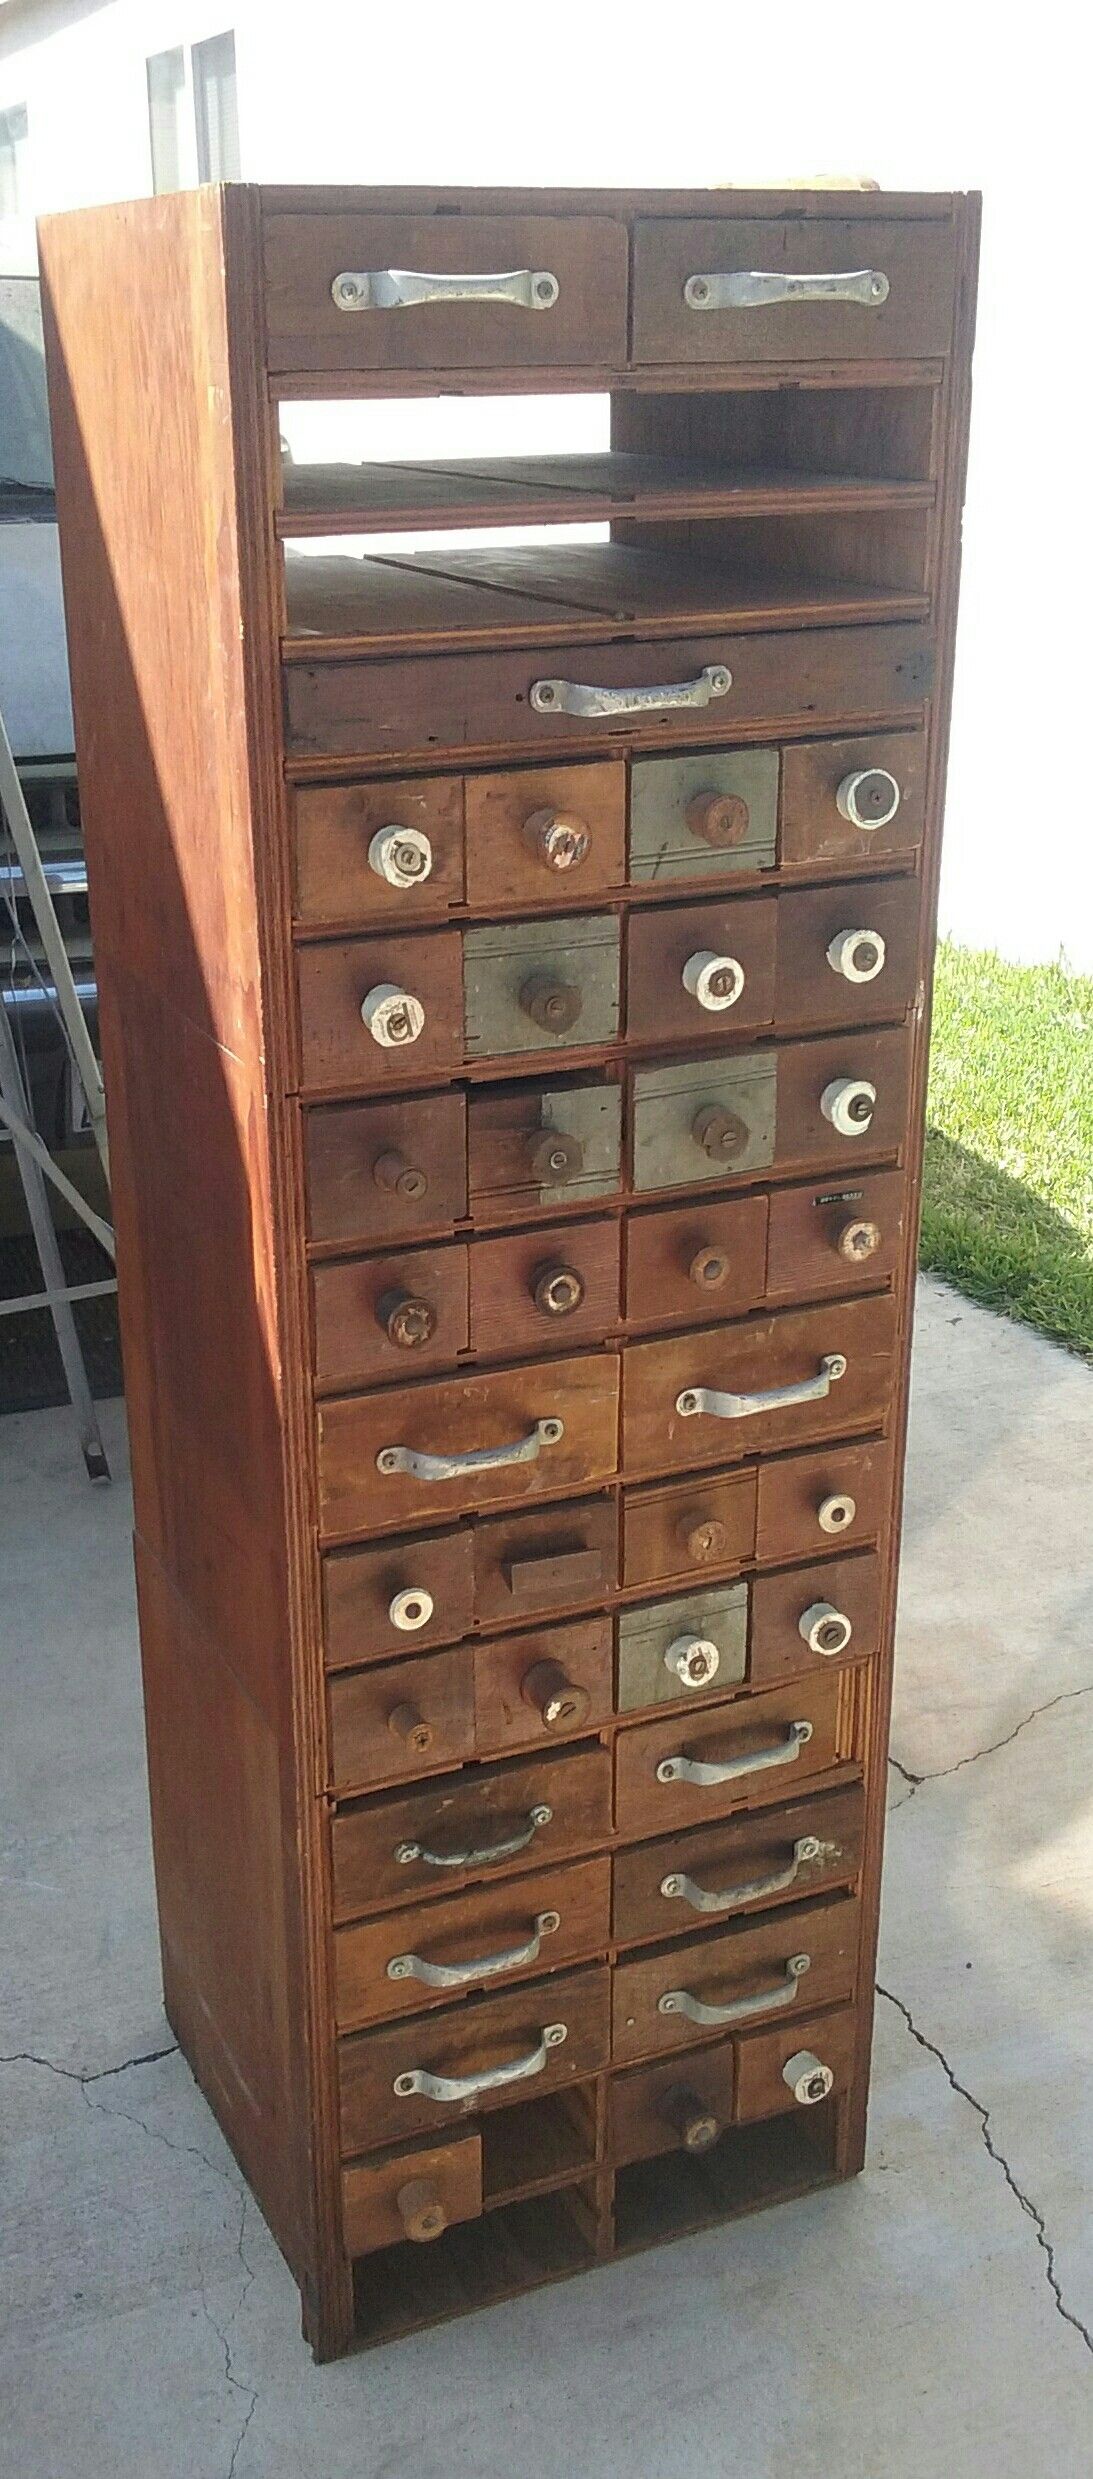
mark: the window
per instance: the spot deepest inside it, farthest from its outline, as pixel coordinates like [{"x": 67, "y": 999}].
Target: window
[
  {"x": 166, "y": 125},
  {"x": 192, "y": 121},
  {"x": 214, "y": 109},
  {"x": 13, "y": 143}
]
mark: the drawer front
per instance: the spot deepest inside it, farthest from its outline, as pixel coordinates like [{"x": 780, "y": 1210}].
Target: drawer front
[
  {"x": 541, "y": 985},
  {"x": 808, "y": 1503},
  {"x": 411, "y": 989},
  {"x": 843, "y": 1097},
  {"x": 713, "y": 1396},
  {"x": 530, "y": 1689},
  {"x": 441, "y": 1448},
  {"x": 705, "y": 1119},
  {"x": 383, "y": 852},
  {"x": 826, "y": 1238},
  {"x": 545, "y": 1559},
  {"x": 700, "y": 970},
  {"x": 544, "y": 1284},
  {"x": 545, "y": 835},
  {"x": 783, "y": 1965},
  {"x": 401, "y": 1718},
  {"x": 703, "y": 817},
  {"x": 691, "y": 1527},
  {"x": 581, "y": 263},
  {"x": 847, "y": 953},
  {"x": 689, "y": 1260},
  {"x": 685, "y": 310},
  {"x": 814, "y": 1615},
  {"x": 788, "y": 2066},
  {"x": 852, "y": 801},
  {"x": 393, "y": 1599},
  {"x": 378, "y": 1172},
  {"x": 509, "y": 1931},
  {"x": 685, "y": 2103},
  {"x": 430, "y": 2070},
  {"x": 473, "y": 1824},
  {"x": 543, "y": 1145},
  {"x": 386, "y": 1317},
  {"x": 692, "y": 1880},
  {"x": 413, "y": 2195},
  {"x": 674, "y": 1650},
  {"x": 756, "y": 1749}
]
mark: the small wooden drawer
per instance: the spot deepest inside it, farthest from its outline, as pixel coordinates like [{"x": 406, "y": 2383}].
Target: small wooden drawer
[
  {"x": 712, "y": 816},
  {"x": 414, "y": 986},
  {"x": 383, "y": 852},
  {"x": 689, "y": 274},
  {"x": 730, "y": 1391},
  {"x": 813, "y": 1615},
  {"x": 432, "y": 2069},
  {"x": 847, "y": 953},
  {"x": 545, "y": 835},
  {"x": 472, "y": 1824},
  {"x": 829, "y": 1237},
  {"x": 691, "y": 1528},
  {"x": 393, "y": 1599},
  {"x": 543, "y": 1146},
  {"x": 691, "y": 1880},
  {"x": 399, "y": 2195},
  {"x": 389, "y": 1460},
  {"x": 698, "y": 970},
  {"x": 387, "y": 1317},
  {"x": 756, "y": 1748},
  {"x": 781, "y": 1964},
  {"x": 406, "y": 1717},
  {"x": 509, "y": 1931},
  {"x": 671, "y": 1651},
  {"x": 691, "y": 1260},
  {"x": 818, "y": 1121},
  {"x": 788, "y": 2066},
  {"x": 829, "y": 785},
  {"x": 530, "y": 1689},
  {"x": 378, "y": 1173},
  {"x": 541, "y": 985},
  {"x": 544, "y": 1285},
  {"x": 808, "y": 1503},
  {"x": 704, "y": 1119},
  {"x": 545, "y": 1559},
  {"x": 685, "y": 2103}
]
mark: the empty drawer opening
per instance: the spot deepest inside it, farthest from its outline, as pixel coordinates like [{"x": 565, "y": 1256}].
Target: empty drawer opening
[
  {"x": 475, "y": 2263},
  {"x": 747, "y": 2168}
]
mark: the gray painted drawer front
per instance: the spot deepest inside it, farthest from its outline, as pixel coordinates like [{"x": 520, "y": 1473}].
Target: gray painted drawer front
[
  {"x": 704, "y": 1119},
  {"x": 703, "y": 817},
  {"x": 593, "y": 1114},
  {"x": 511, "y": 971},
  {"x": 683, "y": 1647}
]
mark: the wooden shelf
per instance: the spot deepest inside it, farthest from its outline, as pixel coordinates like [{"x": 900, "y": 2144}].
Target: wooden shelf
[{"x": 566, "y": 490}]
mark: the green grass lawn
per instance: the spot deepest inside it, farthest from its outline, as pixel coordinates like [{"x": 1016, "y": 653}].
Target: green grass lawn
[{"x": 1008, "y": 1195}]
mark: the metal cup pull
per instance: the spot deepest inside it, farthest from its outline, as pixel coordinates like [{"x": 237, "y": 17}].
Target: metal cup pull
[
  {"x": 718, "y": 1406},
  {"x": 401, "y": 855},
  {"x": 595, "y": 704},
  {"x": 557, "y": 837},
  {"x": 406, "y": 288},
  {"x": 868, "y": 798},
  {"x": 808, "y": 2080},
  {"x": 410, "y": 1609},
  {"x": 859, "y": 955},
  {"x": 451, "y": 2087},
  {"x": 716, "y": 981},
  {"x": 426, "y": 1467},
  {"x": 703, "y": 1776},
  {"x": 740, "y": 2009},
  {"x": 482, "y": 1855},
  {"x": 393, "y": 1017},
  {"x": 484, "y": 1967},
  {"x": 824, "y": 1628},
  {"x": 710, "y": 1903},
  {"x": 761, "y": 288}
]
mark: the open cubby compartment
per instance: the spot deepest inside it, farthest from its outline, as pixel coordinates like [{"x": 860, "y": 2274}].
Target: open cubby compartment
[
  {"x": 746, "y": 2169},
  {"x": 536, "y": 2144},
  {"x": 510, "y": 2249}
]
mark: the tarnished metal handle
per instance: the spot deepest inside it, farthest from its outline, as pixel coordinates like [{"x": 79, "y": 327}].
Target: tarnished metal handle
[
  {"x": 425, "y": 1467},
  {"x": 762, "y": 289},
  {"x": 468, "y": 2086},
  {"x": 405, "y": 1852},
  {"x": 733, "y": 1897},
  {"x": 487, "y": 1967},
  {"x": 680, "y": 2000},
  {"x": 776, "y": 1399},
  {"x": 574, "y": 697},
  {"x": 684, "y": 1768},
  {"x": 405, "y": 288}
]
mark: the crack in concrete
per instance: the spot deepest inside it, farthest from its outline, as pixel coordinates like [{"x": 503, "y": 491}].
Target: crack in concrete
[
  {"x": 915, "y": 1780},
  {"x": 96, "y": 2074},
  {"x": 999, "y": 2158}
]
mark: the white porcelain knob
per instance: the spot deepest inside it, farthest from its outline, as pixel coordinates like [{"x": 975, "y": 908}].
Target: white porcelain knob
[
  {"x": 868, "y": 798},
  {"x": 808, "y": 2080},
  {"x": 401, "y": 855},
  {"x": 393, "y": 1018},
  {"x": 715, "y": 981},
  {"x": 835, "y": 1513},
  {"x": 849, "y": 1102},
  {"x": 824, "y": 1628},
  {"x": 694, "y": 1660},
  {"x": 859, "y": 955},
  {"x": 412, "y": 1608}
]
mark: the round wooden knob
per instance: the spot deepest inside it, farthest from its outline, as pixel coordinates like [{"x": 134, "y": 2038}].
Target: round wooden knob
[
  {"x": 559, "y": 1704},
  {"x": 695, "y": 2125},
  {"x": 402, "y": 1178},
  {"x": 420, "y": 2208},
  {"x": 721, "y": 1133},
  {"x": 553, "y": 1005},
  {"x": 858, "y": 1241},
  {"x": 557, "y": 837},
  {"x": 407, "y": 1724},
  {"x": 718, "y": 818},
  {"x": 708, "y": 1268},
  {"x": 704, "y": 1537},
  {"x": 406, "y": 1321},
  {"x": 553, "y": 1156},
  {"x": 557, "y": 1290}
]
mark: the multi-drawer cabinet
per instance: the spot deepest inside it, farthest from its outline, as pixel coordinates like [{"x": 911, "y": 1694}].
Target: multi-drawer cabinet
[{"x": 514, "y": 972}]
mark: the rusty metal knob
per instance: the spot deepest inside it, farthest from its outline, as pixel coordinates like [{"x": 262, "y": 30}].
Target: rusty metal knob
[
  {"x": 406, "y": 1320},
  {"x": 411, "y": 1727},
  {"x": 402, "y": 1178},
  {"x": 722, "y": 1134},
  {"x": 708, "y": 1268},
  {"x": 718, "y": 818},
  {"x": 557, "y": 1290},
  {"x": 858, "y": 1241},
  {"x": 421, "y": 2211},
  {"x": 696, "y": 2125},
  {"x": 559, "y": 1704},
  {"x": 554, "y": 1006},
  {"x": 554, "y": 1156},
  {"x": 557, "y": 837},
  {"x": 704, "y": 1537}
]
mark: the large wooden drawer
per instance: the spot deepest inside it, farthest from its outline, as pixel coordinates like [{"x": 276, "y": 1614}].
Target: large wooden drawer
[
  {"x": 438, "y": 1708},
  {"x": 489, "y": 2050},
  {"x": 691, "y": 1880},
  {"x": 680, "y": 313},
  {"x": 467, "y": 1825},
  {"x": 425, "y": 1956},
  {"x": 440, "y": 1448},
  {"x": 723, "y": 1392},
  {"x": 694, "y": 1765},
  {"x": 792, "y": 1960}
]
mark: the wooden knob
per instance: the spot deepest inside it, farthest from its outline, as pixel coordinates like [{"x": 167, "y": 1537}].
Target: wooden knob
[
  {"x": 719, "y": 818},
  {"x": 411, "y": 1727},
  {"x": 557, "y": 1290},
  {"x": 721, "y": 1133},
  {"x": 421, "y": 2211},
  {"x": 406, "y": 1321},
  {"x": 402, "y": 1178},
  {"x": 559, "y": 1704},
  {"x": 553, "y": 1156},
  {"x": 557, "y": 837},
  {"x": 704, "y": 1537},
  {"x": 553, "y": 1005},
  {"x": 708, "y": 1268},
  {"x": 696, "y": 2125},
  {"x": 858, "y": 1241}
]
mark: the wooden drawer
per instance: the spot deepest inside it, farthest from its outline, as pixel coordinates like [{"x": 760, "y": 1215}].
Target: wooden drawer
[
  {"x": 802, "y": 1957},
  {"x": 541, "y": 985},
  {"x": 712, "y": 816},
  {"x": 670, "y": 1651},
  {"x": 704, "y": 1119},
  {"x": 411, "y": 1716},
  {"x": 792, "y": 1730},
  {"x": 815, "y": 773},
  {"x": 803, "y": 1620},
  {"x": 908, "y": 315},
  {"x": 691, "y": 1880},
  {"x": 685, "y": 2103},
  {"x": 689, "y": 1528},
  {"x": 725, "y": 950},
  {"x": 762, "y": 1357},
  {"x": 475, "y": 2044},
  {"x": 809, "y": 1502},
  {"x": 335, "y": 982},
  {"x": 545, "y": 835},
  {"x": 545, "y": 1559},
  {"x": 404, "y": 1594},
  {"x": 541, "y": 1284},
  {"x": 765, "y": 2089},
  {"x": 566, "y": 1409},
  {"x": 809, "y": 1073},
  {"x": 493, "y": 1815},
  {"x": 847, "y": 953},
  {"x": 386, "y": 1317},
  {"x": 383, "y": 852},
  {"x": 529, "y": 1689},
  {"x": 414, "y": 2195},
  {"x": 558, "y": 1918},
  {"x": 828, "y": 1237},
  {"x": 540, "y": 1146},
  {"x": 583, "y": 318},
  {"x": 689, "y": 1260},
  {"x": 378, "y": 1173}
]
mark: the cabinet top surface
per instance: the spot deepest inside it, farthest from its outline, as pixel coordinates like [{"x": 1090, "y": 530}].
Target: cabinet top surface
[{"x": 805, "y": 202}]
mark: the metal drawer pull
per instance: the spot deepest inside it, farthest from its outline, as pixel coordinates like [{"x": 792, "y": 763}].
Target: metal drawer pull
[
  {"x": 733, "y": 1897},
  {"x": 468, "y": 2086},
  {"x": 405, "y": 1852},
  {"x": 680, "y": 2000},
  {"x": 573, "y": 697},
  {"x": 706, "y": 1777},
  {"x": 460, "y": 1975},
  {"x": 404, "y": 288},
  {"x": 776, "y": 1399},
  {"x": 425, "y": 1467},
  {"x": 762, "y": 289}
]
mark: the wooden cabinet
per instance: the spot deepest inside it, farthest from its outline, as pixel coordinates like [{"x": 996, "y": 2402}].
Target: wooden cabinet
[{"x": 512, "y": 966}]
